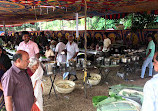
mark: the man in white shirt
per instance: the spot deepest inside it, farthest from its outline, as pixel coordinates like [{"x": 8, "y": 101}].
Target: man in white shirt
[
  {"x": 49, "y": 53},
  {"x": 107, "y": 44},
  {"x": 59, "y": 51},
  {"x": 150, "y": 100},
  {"x": 72, "y": 51}
]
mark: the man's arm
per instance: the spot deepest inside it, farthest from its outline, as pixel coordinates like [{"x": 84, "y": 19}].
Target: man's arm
[
  {"x": 38, "y": 55},
  {"x": 8, "y": 103},
  {"x": 36, "y": 50},
  {"x": 75, "y": 55},
  {"x": 148, "y": 54}
]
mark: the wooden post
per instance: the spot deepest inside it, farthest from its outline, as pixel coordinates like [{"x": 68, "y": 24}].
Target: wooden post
[
  {"x": 77, "y": 34},
  {"x": 105, "y": 22},
  {"x": 85, "y": 46}
]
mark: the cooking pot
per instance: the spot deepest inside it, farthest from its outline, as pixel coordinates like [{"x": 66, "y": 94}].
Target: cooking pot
[
  {"x": 107, "y": 60},
  {"x": 49, "y": 68},
  {"x": 63, "y": 65},
  {"x": 124, "y": 60},
  {"x": 128, "y": 60},
  {"x": 137, "y": 58},
  {"x": 117, "y": 60},
  {"x": 100, "y": 61},
  {"x": 113, "y": 62},
  {"x": 133, "y": 58},
  {"x": 72, "y": 63}
]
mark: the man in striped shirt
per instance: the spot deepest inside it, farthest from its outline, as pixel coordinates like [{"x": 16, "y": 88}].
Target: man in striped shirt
[{"x": 17, "y": 86}]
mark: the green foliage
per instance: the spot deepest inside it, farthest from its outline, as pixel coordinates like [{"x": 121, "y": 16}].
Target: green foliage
[{"x": 141, "y": 21}]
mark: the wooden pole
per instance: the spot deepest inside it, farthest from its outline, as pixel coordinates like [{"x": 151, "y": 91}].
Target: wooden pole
[
  {"x": 77, "y": 34},
  {"x": 85, "y": 46},
  {"x": 105, "y": 22}
]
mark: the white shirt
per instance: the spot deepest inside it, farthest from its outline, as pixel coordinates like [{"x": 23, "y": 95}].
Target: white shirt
[
  {"x": 59, "y": 48},
  {"x": 150, "y": 100},
  {"x": 71, "y": 50},
  {"x": 49, "y": 53},
  {"x": 107, "y": 42}
]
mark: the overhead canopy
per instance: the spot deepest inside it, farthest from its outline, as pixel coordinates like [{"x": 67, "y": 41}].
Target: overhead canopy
[{"x": 22, "y": 11}]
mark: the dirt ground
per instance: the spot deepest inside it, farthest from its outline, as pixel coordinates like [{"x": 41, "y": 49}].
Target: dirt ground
[{"x": 76, "y": 101}]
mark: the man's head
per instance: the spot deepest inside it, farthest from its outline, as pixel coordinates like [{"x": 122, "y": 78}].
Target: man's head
[
  {"x": 105, "y": 35},
  {"x": 17, "y": 34},
  {"x": 150, "y": 37},
  {"x": 70, "y": 38},
  {"x": 21, "y": 59},
  {"x": 25, "y": 36},
  {"x": 156, "y": 62},
  {"x": 47, "y": 47}
]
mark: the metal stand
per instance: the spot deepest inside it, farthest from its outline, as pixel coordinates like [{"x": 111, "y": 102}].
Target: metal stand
[{"x": 52, "y": 86}]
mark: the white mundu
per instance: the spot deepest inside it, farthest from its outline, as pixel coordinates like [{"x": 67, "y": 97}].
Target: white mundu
[
  {"x": 71, "y": 50},
  {"x": 107, "y": 42},
  {"x": 59, "y": 48}
]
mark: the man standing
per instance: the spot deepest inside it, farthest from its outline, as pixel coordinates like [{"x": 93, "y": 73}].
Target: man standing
[
  {"x": 29, "y": 46},
  {"x": 72, "y": 51},
  {"x": 59, "y": 53},
  {"x": 149, "y": 57},
  {"x": 150, "y": 101},
  {"x": 106, "y": 46},
  {"x": 17, "y": 86}
]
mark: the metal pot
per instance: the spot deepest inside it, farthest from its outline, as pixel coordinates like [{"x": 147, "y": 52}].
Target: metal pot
[
  {"x": 116, "y": 50},
  {"x": 113, "y": 62},
  {"x": 49, "y": 68},
  {"x": 117, "y": 60},
  {"x": 100, "y": 61},
  {"x": 63, "y": 65},
  {"x": 72, "y": 63},
  {"x": 137, "y": 58},
  {"x": 133, "y": 58},
  {"x": 107, "y": 60},
  {"x": 88, "y": 63},
  {"x": 124, "y": 60},
  {"x": 128, "y": 60}
]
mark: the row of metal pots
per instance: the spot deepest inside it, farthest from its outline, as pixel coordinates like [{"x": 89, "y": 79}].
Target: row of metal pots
[{"x": 114, "y": 61}]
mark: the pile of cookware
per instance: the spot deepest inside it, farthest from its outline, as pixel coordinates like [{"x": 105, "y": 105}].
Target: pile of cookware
[
  {"x": 116, "y": 59},
  {"x": 82, "y": 63}
]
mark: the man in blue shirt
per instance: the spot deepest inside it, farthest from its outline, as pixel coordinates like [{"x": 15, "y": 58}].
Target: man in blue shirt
[{"x": 149, "y": 57}]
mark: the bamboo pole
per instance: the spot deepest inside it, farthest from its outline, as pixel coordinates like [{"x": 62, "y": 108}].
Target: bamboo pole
[
  {"x": 105, "y": 22},
  {"x": 85, "y": 46}
]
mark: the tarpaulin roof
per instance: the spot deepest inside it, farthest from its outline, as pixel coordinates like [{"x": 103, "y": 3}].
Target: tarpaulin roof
[{"x": 21, "y": 11}]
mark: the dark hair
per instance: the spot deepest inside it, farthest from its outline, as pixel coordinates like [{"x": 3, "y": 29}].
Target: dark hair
[
  {"x": 48, "y": 45},
  {"x": 150, "y": 35},
  {"x": 17, "y": 33},
  {"x": 105, "y": 33},
  {"x": 25, "y": 32},
  {"x": 17, "y": 56}
]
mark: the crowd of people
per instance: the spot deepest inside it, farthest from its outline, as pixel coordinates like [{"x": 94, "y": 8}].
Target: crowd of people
[{"x": 21, "y": 84}]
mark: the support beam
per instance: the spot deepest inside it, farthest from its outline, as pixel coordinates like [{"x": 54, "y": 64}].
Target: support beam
[
  {"x": 105, "y": 22},
  {"x": 77, "y": 33}
]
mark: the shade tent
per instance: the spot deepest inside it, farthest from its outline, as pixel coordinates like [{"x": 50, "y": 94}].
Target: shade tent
[{"x": 24, "y": 11}]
